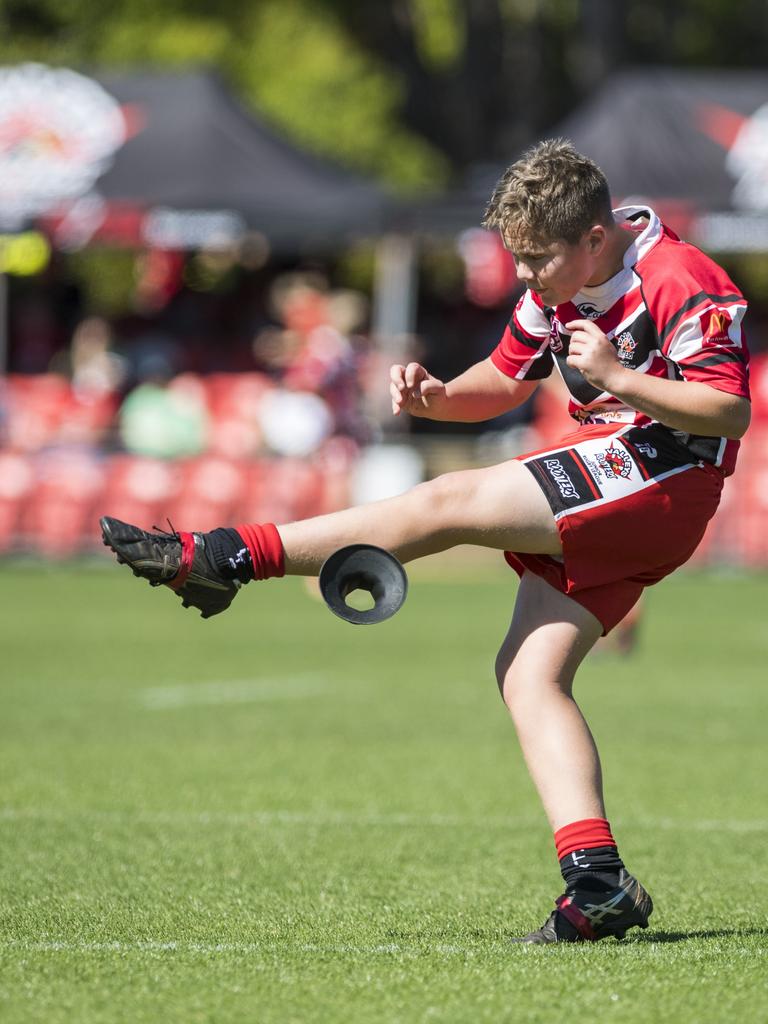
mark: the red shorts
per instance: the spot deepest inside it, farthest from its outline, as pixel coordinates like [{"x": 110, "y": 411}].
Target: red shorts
[{"x": 631, "y": 505}]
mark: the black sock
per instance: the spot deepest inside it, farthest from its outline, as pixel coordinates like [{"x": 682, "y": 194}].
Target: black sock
[
  {"x": 597, "y": 868},
  {"x": 229, "y": 553}
]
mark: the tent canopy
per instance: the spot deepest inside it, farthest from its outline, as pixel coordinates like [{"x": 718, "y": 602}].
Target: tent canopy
[
  {"x": 682, "y": 135},
  {"x": 195, "y": 148},
  {"x": 694, "y": 143}
]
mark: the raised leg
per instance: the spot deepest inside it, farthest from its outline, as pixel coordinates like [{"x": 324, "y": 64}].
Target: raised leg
[{"x": 499, "y": 507}]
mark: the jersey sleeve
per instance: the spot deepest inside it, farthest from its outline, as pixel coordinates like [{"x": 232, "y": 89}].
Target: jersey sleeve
[
  {"x": 708, "y": 344},
  {"x": 523, "y": 352}
]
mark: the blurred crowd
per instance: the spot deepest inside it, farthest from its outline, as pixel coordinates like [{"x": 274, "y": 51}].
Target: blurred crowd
[
  {"x": 251, "y": 403},
  {"x": 137, "y": 384}
]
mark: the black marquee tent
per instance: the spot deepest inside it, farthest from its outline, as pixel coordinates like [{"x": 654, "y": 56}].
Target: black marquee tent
[
  {"x": 178, "y": 149},
  {"x": 196, "y": 148},
  {"x": 695, "y": 142},
  {"x": 170, "y": 160},
  {"x": 682, "y": 135}
]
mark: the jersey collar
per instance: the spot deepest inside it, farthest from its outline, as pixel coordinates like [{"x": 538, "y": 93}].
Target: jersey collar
[{"x": 646, "y": 239}]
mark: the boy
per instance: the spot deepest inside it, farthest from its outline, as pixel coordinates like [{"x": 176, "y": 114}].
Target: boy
[{"x": 646, "y": 333}]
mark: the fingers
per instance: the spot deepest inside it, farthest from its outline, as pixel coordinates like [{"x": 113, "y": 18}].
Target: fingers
[
  {"x": 397, "y": 388},
  {"x": 405, "y": 385},
  {"x": 414, "y": 375}
]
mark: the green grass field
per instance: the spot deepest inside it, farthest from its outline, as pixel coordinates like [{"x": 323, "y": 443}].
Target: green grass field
[{"x": 274, "y": 816}]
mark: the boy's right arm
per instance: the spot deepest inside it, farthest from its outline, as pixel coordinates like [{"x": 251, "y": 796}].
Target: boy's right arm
[{"x": 480, "y": 393}]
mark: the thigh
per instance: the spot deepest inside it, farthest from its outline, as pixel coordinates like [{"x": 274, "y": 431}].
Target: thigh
[
  {"x": 548, "y": 638},
  {"x": 502, "y": 507}
]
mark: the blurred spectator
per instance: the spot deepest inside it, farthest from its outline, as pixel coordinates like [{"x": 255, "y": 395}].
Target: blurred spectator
[
  {"x": 91, "y": 364},
  {"x": 164, "y": 418},
  {"x": 315, "y": 350},
  {"x": 294, "y": 422},
  {"x": 149, "y": 352}
]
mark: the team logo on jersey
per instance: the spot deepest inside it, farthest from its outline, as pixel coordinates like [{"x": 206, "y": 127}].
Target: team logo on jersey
[
  {"x": 614, "y": 462},
  {"x": 715, "y": 324},
  {"x": 625, "y": 346},
  {"x": 588, "y": 311},
  {"x": 561, "y": 478},
  {"x": 555, "y": 338}
]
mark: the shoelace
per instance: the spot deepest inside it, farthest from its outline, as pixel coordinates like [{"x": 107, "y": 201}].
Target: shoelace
[
  {"x": 187, "y": 553},
  {"x": 172, "y": 534}
]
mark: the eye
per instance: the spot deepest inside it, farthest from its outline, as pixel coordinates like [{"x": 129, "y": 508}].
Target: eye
[{"x": 529, "y": 257}]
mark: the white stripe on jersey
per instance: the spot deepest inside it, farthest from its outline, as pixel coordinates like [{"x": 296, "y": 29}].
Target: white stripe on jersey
[
  {"x": 628, "y": 320},
  {"x": 531, "y": 318},
  {"x": 542, "y": 350}
]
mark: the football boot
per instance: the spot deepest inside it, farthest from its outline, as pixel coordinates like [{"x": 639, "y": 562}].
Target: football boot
[
  {"x": 583, "y": 915},
  {"x": 171, "y": 559}
]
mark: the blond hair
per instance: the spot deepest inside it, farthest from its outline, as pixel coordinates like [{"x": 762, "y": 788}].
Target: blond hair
[{"x": 552, "y": 193}]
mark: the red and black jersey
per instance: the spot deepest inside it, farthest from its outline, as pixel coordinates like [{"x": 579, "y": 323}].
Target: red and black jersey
[{"x": 670, "y": 312}]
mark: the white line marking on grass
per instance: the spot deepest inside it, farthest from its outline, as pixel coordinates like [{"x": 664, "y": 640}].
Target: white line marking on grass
[
  {"x": 155, "y": 946},
  {"x": 328, "y": 818},
  {"x": 235, "y": 691},
  {"x": 314, "y": 819}
]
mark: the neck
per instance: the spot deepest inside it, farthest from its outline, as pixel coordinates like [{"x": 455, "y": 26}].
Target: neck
[{"x": 612, "y": 258}]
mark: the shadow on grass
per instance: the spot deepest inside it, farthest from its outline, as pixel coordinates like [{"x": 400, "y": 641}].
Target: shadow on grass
[
  {"x": 633, "y": 936},
  {"x": 712, "y": 933}
]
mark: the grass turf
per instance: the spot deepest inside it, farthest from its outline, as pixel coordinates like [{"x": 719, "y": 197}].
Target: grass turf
[{"x": 274, "y": 816}]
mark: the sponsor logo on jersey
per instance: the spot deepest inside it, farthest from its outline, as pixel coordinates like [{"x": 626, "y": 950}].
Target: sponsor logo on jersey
[
  {"x": 614, "y": 462},
  {"x": 714, "y": 327},
  {"x": 625, "y": 346},
  {"x": 588, "y": 311},
  {"x": 555, "y": 338},
  {"x": 561, "y": 478}
]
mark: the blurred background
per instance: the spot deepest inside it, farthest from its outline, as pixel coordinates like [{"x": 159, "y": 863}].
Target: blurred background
[{"x": 221, "y": 222}]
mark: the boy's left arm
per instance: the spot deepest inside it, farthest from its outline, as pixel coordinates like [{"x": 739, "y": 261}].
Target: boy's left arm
[{"x": 690, "y": 406}]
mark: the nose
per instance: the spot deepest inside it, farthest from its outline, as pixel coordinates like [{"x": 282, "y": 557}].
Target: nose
[{"x": 524, "y": 272}]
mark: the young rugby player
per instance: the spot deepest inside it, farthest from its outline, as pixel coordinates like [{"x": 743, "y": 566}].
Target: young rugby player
[{"x": 646, "y": 332}]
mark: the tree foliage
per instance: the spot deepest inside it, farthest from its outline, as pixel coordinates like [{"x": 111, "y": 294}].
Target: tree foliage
[{"x": 412, "y": 91}]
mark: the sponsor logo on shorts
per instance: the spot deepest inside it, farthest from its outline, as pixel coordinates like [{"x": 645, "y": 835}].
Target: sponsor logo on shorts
[
  {"x": 647, "y": 449},
  {"x": 596, "y": 470},
  {"x": 625, "y": 347},
  {"x": 615, "y": 463},
  {"x": 561, "y": 478}
]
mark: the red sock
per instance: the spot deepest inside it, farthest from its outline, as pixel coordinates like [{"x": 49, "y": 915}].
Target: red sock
[
  {"x": 587, "y": 847},
  {"x": 265, "y": 548},
  {"x": 587, "y": 834}
]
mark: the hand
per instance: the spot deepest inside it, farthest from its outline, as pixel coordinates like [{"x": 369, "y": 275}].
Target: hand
[
  {"x": 414, "y": 390},
  {"x": 591, "y": 353}
]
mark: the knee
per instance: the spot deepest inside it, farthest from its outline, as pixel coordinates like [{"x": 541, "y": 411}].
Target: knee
[
  {"x": 511, "y": 688},
  {"x": 524, "y": 690},
  {"x": 440, "y": 495}
]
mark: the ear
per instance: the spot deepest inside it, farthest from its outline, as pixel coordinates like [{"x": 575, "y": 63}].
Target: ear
[{"x": 596, "y": 238}]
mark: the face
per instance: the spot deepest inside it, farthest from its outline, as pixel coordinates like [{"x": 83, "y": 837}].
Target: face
[{"x": 558, "y": 270}]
